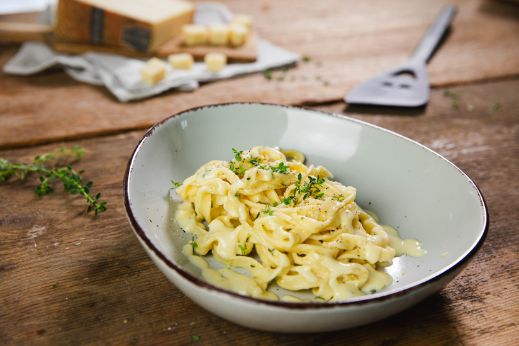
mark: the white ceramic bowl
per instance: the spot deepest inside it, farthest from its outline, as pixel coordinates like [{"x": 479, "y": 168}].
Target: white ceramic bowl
[{"x": 409, "y": 186}]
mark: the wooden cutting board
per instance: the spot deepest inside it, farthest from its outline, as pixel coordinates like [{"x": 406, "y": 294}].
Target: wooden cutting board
[
  {"x": 245, "y": 53},
  {"x": 22, "y": 32}
]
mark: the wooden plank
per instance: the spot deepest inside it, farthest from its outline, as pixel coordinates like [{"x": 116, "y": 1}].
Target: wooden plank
[
  {"x": 71, "y": 279},
  {"x": 248, "y": 52},
  {"x": 347, "y": 42}
]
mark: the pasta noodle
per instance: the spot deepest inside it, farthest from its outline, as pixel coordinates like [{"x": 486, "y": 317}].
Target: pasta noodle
[{"x": 273, "y": 220}]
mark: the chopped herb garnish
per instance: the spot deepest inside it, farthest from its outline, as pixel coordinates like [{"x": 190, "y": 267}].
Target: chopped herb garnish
[
  {"x": 237, "y": 154},
  {"x": 275, "y": 204},
  {"x": 175, "y": 184},
  {"x": 248, "y": 178},
  {"x": 252, "y": 266},
  {"x": 338, "y": 198},
  {"x": 55, "y": 285},
  {"x": 496, "y": 107},
  {"x": 454, "y": 96},
  {"x": 298, "y": 183},
  {"x": 451, "y": 94},
  {"x": 195, "y": 338},
  {"x": 455, "y": 105},
  {"x": 288, "y": 200},
  {"x": 319, "y": 195},
  {"x": 268, "y": 211},
  {"x": 319, "y": 298},
  {"x": 280, "y": 168},
  {"x": 271, "y": 251},
  {"x": 267, "y": 74},
  {"x": 254, "y": 161},
  {"x": 194, "y": 244},
  {"x": 372, "y": 291},
  {"x": 238, "y": 170},
  {"x": 311, "y": 187},
  {"x": 306, "y": 58},
  {"x": 243, "y": 249}
]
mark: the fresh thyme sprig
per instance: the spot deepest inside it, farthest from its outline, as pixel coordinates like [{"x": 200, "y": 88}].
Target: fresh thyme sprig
[
  {"x": 239, "y": 165},
  {"x": 312, "y": 188},
  {"x": 53, "y": 166}
]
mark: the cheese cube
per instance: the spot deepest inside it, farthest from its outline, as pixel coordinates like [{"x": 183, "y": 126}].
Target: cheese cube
[
  {"x": 244, "y": 20},
  {"x": 153, "y": 71},
  {"x": 237, "y": 35},
  {"x": 215, "y": 62},
  {"x": 182, "y": 61},
  {"x": 218, "y": 35},
  {"x": 194, "y": 35}
]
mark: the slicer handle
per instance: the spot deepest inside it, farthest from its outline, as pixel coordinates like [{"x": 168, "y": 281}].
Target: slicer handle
[
  {"x": 434, "y": 34},
  {"x": 21, "y": 32}
]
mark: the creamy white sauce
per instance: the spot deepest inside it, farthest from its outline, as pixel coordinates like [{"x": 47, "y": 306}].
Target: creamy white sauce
[
  {"x": 292, "y": 299},
  {"x": 411, "y": 247},
  {"x": 227, "y": 278}
]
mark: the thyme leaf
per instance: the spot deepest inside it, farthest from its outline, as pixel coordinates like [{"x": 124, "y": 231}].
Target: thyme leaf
[
  {"x": 280, "y": 168},
  {"x": 176, "y": 184},
  {"x": 194, "y": 243}
]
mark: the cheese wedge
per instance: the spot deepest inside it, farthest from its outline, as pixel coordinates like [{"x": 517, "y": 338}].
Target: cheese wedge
[
  {"x": 153, "y": 71},
  {"x": 135, "y": 24},
  {"x": 215, "y": 62}
]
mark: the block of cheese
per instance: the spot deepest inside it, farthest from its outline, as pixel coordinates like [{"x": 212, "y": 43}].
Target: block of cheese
[
  {"x": 244, "y": 20},
  {"x": 215, "y": 62},
  {"x": 194, "y": 35},
  {"x": 181, "y": 61},
  {"x": 237, "y": 35},
  {"x": 138, "y": 25},
  {"x": 218, "y": 35},
  {"x": 153, "y": 71}
]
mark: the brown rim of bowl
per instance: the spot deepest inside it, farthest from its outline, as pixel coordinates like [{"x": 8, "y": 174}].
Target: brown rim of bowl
[{"x": 451, "y": 269}]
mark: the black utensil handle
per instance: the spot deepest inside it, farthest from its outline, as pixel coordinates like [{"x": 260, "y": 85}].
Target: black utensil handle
[{"x": 434, "y": 34}]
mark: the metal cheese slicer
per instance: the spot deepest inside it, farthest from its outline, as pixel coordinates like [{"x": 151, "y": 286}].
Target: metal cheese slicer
[{"x": 406, "y": 85}]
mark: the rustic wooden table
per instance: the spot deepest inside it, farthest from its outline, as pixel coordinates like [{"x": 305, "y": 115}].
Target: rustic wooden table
[{"x": 67, "y": 278}]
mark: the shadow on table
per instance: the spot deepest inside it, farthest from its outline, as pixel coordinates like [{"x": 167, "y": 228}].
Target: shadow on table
[
  {"x": 426, "y": 323},
  {"x": 502, "y": 9},
  {"x": 383, "y": 110},
  {"x": 126, "y": 300}
]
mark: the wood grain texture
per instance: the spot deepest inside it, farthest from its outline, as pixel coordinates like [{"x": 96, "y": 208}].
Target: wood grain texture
[
  {"x": 348, "y": 41},
  {"x": 72, "y": 279},
  {"x": 248, "y": 52}
]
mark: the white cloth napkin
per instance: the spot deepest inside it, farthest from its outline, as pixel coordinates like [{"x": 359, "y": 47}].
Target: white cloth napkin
[{"x": 121, "y": 75}]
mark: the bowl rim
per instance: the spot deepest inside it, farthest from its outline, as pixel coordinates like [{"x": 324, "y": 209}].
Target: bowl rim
[{"x": 367, "y": 299}]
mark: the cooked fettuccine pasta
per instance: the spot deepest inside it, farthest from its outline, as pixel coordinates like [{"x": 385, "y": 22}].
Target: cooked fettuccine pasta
[{"x": 267, "y": 214}]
